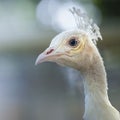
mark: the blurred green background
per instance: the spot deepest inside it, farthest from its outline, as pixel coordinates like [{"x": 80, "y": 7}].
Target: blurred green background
[{"x": 48, "y": 91}]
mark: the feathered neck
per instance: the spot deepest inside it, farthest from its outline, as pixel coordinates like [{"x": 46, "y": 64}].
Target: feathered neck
[
  {"x": 95, "y": 77},
  {"x": 97, "y": 104}
]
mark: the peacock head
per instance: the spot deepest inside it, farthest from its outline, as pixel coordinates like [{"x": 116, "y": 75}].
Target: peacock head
[
  {"x": 69, "y": 48},
  {"x": 73, "y": 47}
]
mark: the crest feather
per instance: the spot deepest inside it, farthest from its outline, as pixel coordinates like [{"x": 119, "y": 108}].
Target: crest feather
[{"x": 86, "y": 24}]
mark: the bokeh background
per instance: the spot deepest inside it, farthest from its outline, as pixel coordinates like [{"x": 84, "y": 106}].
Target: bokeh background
[{"x": 48, "y": 91}]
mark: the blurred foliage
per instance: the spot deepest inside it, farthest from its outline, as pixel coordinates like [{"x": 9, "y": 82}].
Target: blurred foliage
[{"x": 109, "y": 8}]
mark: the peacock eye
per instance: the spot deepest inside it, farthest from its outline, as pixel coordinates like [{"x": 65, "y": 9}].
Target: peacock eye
[{"x": 73, "y": 42}]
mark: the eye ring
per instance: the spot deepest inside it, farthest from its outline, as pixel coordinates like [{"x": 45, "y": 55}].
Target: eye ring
[{"x": 73, "y": 42}]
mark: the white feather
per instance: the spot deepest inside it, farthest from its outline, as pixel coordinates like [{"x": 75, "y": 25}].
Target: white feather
[{"x": 86, "y": 24}]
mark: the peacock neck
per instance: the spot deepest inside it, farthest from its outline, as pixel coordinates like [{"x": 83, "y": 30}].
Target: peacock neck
[
  {"x": 95, "y": 82},
  {"x": 95, "y": 89}
]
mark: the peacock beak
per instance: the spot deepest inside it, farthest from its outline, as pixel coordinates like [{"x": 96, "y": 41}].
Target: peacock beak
[
  {"x": 41, "y": 58},
  {"x": 48, "y": 55},
  {"x": 44, "y": 56}
]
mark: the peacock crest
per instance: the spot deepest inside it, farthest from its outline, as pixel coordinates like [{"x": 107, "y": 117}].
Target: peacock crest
[{"x": 83, "y": 22}]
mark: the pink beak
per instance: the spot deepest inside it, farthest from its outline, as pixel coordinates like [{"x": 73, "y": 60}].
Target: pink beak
[{"x": 48, "y": 55}]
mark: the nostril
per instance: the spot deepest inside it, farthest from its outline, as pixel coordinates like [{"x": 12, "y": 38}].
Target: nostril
[{"x": 50, "y": 51}]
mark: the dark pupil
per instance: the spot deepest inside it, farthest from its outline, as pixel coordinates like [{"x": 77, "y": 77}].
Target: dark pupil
[{"x": 73, "y": 42}]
